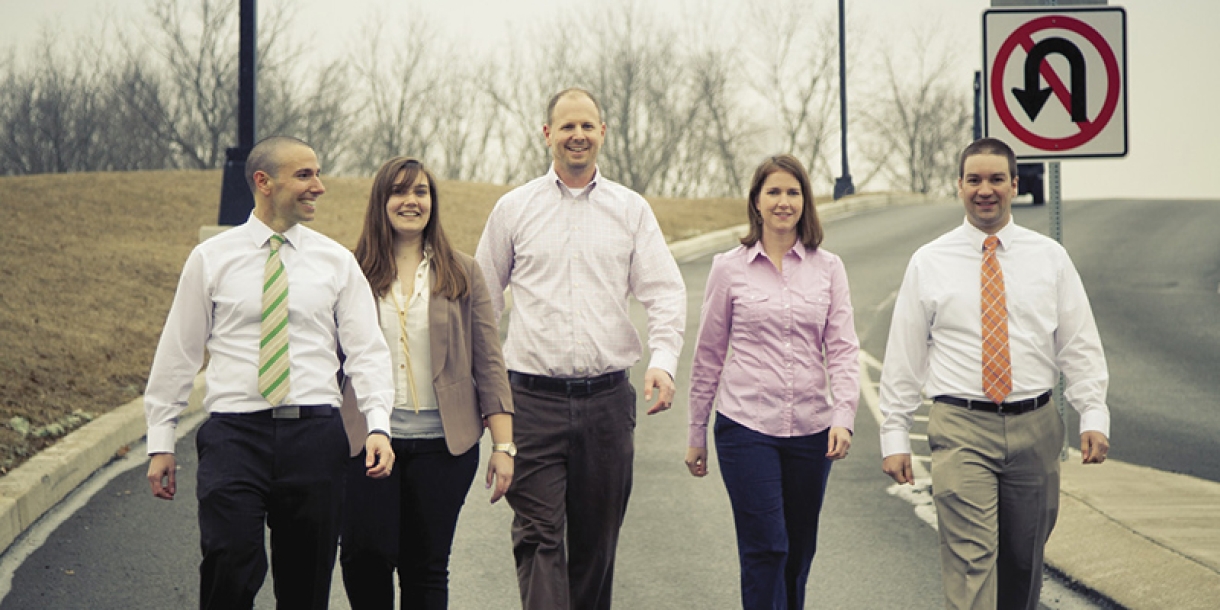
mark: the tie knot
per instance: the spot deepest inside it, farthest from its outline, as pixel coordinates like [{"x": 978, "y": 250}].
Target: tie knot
[
  {"x": 277, "y": 240},
  {"x": 991, "y": 243}
]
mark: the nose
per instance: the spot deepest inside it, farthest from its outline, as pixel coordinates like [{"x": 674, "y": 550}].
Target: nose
[{"x": 316, "y": 186}]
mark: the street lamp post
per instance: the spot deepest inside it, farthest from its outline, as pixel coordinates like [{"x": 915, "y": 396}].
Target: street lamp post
[
  {"x": 843, "y": 185},
  {"x": 236, "y": 200}
]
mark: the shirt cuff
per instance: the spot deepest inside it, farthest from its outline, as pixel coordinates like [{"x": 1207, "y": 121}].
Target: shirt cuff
[
  {"x": 894, "y": 442},
  {"x": 378, "y": 421},
  {"x": 1097, "y": 420},
  {"x": 161, "y": 439},
  {"x": 665, "y": 361}
]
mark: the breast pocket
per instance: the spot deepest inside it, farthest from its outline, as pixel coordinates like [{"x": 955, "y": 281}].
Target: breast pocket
[
  {"x": 750, "y": 309},
  {"x": 813, "y": 309}
]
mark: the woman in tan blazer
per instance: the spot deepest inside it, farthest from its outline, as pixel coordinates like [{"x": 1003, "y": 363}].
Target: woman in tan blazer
[{"x": 450, "y": 382}]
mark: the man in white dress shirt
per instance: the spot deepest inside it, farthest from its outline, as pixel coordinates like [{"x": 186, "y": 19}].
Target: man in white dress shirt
[
  {"x": 574, "y": 246},
  {"x": 264, "y": 458},
  {"x": 995, "y": 461}
]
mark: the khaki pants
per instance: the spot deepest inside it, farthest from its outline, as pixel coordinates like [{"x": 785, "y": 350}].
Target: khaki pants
[{"x": 995, "y": 481}]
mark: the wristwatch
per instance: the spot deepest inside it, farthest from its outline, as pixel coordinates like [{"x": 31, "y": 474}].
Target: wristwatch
[{"x": 509, "y": 448}]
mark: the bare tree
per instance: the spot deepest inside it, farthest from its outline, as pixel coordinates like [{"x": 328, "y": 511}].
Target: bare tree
[
  {"x": 396, "y": 79},
  {"x": 645, "y": 89},
  {"x": 795, "y": 57},
  {"x": 51, "y": 111},
  {"x": 920, "y": 120},
  {"x": 533, "y": 68}
]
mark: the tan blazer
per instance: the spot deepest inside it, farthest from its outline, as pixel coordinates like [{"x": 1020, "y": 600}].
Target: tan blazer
[{"x": 468, "y": 371}]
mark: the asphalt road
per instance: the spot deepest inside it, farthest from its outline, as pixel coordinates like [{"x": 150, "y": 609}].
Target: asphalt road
[{"x": 1150, "y": 268}]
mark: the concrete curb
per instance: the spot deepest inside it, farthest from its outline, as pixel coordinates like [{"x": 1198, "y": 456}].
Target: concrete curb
[
  {"x": 36, "y": 486},
  {"x": 1139, "y": 536}
]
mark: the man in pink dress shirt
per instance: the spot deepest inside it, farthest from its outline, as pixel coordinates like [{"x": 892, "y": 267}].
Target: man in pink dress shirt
[{"x": 574, "y": 246}]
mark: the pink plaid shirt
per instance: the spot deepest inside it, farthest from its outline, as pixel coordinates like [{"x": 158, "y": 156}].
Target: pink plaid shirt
[
  {"x": 789, "y": 331},
  {"x": 572, "y": 260}
]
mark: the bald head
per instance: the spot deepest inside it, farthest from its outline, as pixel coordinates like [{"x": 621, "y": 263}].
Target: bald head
[{"x": 267, "y": 155}]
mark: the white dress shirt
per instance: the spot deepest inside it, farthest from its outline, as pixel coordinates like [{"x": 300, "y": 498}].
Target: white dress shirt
[
  {"x": 572, "y": 260},
  {"x": 218, "y": 307},
  {"x": 935, "y": 340}
]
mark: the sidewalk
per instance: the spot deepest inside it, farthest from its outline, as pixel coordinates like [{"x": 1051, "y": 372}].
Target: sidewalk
[{"x": 1140, "y": 537}]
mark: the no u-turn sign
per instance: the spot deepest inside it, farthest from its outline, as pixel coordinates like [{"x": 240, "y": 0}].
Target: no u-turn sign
[{"x": 1055, "y": 82}]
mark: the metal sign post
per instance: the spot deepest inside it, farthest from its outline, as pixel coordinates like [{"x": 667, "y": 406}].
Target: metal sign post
[{"x": 1082, "y": 116}]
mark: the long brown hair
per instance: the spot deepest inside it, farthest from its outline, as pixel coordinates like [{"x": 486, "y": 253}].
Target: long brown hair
[
  {"x": 375, "y": 249},
  {"x": 809, "y": 228}
]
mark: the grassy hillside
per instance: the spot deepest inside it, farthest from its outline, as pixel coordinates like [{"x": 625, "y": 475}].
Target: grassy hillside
[{"x": 89, "y": 263}]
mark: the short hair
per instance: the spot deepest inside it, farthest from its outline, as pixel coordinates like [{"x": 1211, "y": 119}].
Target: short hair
[
  {"x": 809, "y": 228},
  {"x": 375, "y": 247},
  {"x": 988, "y": 146},
  {"x": 550, "y": 107},
  {"x": 265, "y": 156}
]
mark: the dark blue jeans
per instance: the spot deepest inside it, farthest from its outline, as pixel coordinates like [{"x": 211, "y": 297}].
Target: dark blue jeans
[
  {"x": 776, "y": 486},
  {"x": 405, "y": 521}
]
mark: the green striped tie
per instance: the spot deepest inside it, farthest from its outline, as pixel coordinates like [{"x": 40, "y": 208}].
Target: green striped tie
[{"x": 273, "y": 343}]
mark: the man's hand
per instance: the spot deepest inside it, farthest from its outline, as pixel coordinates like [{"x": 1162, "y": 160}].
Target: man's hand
[
  {"x": 696, "y": 461},
  {"x": 898, "y": 466},
  {"x": 379, "y": 457},
  {"x": 162, "y": 475},
  {"x": 1093, "y": 447},
  {"x": 499, "y": 473},
  {"x": 659, "y": 379},
  {"x": 838, "y": 443}
]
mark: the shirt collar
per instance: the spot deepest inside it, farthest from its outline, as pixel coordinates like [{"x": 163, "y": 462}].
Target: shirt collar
[
  {"x": 798, "y": 248},
  {"x": 977, "y": 237},
  {"x": 261, "y": 233},
  {"x": 566, "y": 191}
]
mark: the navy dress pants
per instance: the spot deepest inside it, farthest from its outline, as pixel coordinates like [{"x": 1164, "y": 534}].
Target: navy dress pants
[
  {"x": 257, "y": 472},
  {"x": 776, "y": 486}
]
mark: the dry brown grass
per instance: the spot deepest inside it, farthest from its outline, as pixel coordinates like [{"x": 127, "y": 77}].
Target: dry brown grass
[{"x": 89, "y": 263}]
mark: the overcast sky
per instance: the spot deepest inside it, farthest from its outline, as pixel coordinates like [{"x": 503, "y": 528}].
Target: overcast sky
[{"x": 1172, "y": 58}]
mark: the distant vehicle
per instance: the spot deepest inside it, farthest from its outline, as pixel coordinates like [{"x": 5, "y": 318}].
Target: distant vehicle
[{"x": 1029, "y": 180}]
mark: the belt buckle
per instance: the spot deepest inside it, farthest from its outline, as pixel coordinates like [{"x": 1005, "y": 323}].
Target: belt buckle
[
  {"x": 286, "y": 412},
  {"x": 999, "y": 408}
]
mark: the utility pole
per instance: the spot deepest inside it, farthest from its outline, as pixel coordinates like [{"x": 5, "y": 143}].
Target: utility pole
[{"x": 843, "y": 185}]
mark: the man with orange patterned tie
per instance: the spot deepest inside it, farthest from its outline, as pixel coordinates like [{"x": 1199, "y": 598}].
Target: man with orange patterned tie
[{"x": 988, "y": 316}]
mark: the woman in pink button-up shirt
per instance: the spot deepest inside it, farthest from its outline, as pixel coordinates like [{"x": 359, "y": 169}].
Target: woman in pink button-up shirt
[{"x": 786, "y": 398}]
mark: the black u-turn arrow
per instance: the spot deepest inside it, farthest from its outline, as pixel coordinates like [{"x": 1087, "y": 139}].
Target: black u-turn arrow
[{"x": 1033, "y": 97}]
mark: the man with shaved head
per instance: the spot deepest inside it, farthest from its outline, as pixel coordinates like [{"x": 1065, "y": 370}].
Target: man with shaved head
[{"x": 271, "y": 302}]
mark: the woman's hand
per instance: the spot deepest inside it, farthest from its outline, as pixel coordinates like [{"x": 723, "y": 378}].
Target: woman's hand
[
  {"x": 838, "y": 443},
  {"x": 696, "y": 461}
]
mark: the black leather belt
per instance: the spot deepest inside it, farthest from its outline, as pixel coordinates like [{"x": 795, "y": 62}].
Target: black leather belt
[
  {"x": 1014, "y": 407},
  {"x": 581, "y": 386},
  {"x": 288, "y": 412}
]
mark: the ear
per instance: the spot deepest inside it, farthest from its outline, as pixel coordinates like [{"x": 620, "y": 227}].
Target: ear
[
  {"x": 262, "y": 180},
  {"x": 546, "y": 133}
]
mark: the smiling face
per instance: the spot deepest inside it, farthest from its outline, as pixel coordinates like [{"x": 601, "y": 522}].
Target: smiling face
[
  {"x": 986, "y": 189},
  {"x": 780, "y": 204},
  {"x": 574, "y": 135},
  {"x": 289, "y": 193},
  {"x": 409, "y": 206}
]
